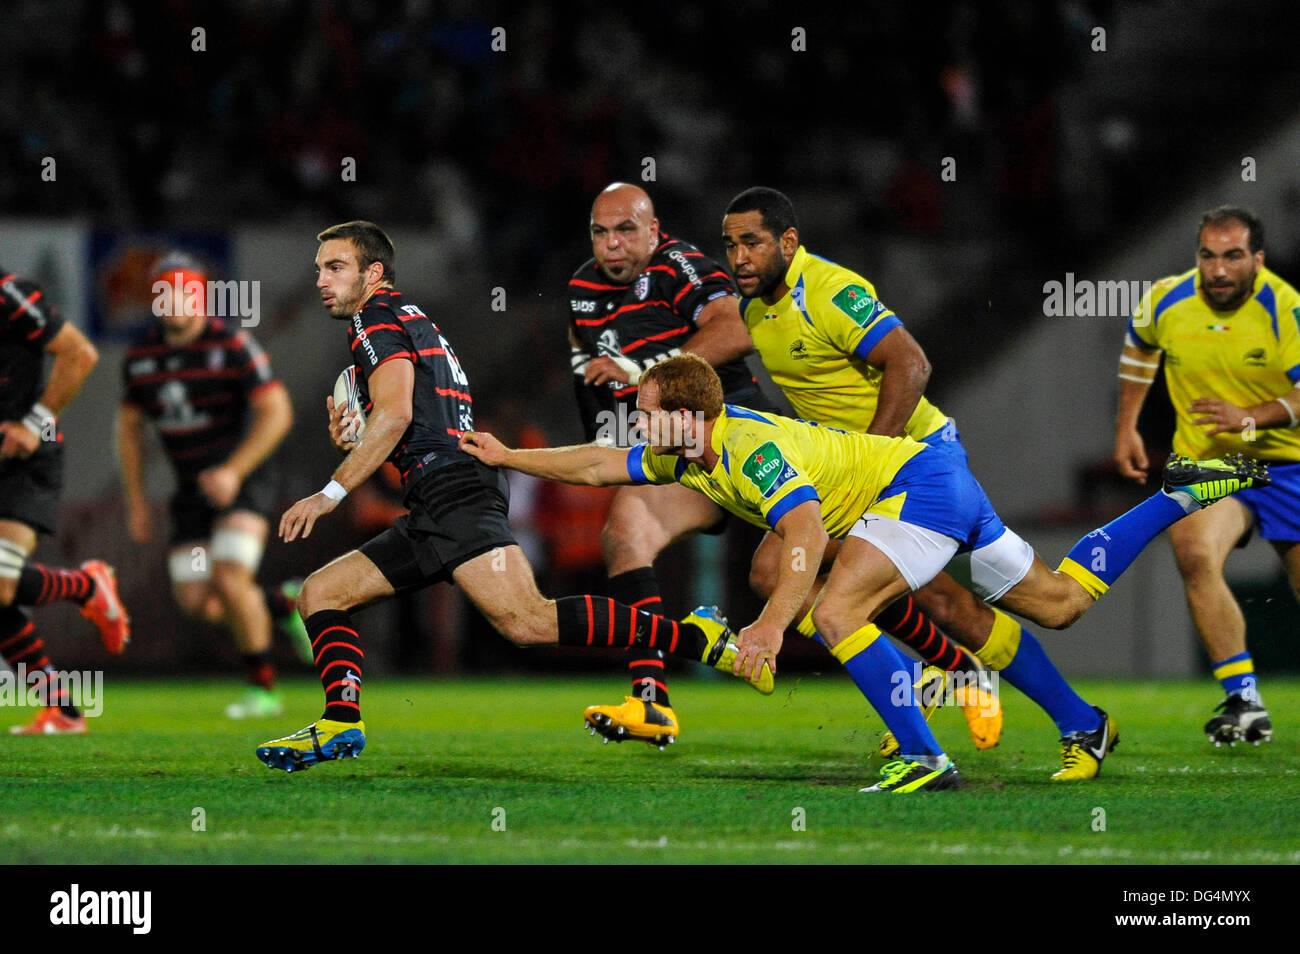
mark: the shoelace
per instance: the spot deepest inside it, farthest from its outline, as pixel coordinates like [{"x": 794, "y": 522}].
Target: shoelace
[
  {"x": 893, "y": 771},
  {"x": 1072, "y": 753}
]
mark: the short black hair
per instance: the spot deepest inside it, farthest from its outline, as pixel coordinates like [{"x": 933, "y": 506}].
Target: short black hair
[
  {"x": 1235, "y": 213},
  {"x": 775, "y": 207},
  {"x": 372, "y": 244}
]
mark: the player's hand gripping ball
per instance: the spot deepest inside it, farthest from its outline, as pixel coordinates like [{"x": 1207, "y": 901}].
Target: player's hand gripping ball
[{"x": 347, "y": 404}]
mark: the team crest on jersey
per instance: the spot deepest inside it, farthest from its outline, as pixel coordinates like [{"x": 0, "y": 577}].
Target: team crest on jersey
[
  {"x": 767, "y": 469},
  {"x": 1256, "y": 358},
  {"x": 607, "y": 344},
  {"x": 798, "y": 350},
  {"x": 856, "y": 302},
  {"x": 642, "y": 287},
  {"x": 216, "y": 359}
]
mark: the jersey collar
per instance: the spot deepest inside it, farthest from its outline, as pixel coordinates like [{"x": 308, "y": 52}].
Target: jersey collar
[
  {"x": 720, "y": 424},
  {"x": 793, "y": 281},
  {"x": 797, "y": 264}
]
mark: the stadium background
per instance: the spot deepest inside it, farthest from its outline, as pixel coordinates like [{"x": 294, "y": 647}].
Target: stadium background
[{"x": 482, "y": 165}]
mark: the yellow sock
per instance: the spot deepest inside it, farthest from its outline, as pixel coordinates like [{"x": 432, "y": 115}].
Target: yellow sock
[
  {"x": 855, "y": 642},
  {"x": 1095, "y": 586},
  {"x": 1002, "y": 644},
  {"x": 805, "y": 626}
]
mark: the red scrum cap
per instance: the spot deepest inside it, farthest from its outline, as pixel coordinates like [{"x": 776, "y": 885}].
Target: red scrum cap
[{"x": 182, "y": 272}]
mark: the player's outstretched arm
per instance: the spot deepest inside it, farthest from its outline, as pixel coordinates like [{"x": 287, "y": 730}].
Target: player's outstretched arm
[
  {"x": 803, "y": 539},
  {"x": 589, "y": 464},
  {"x": 904, "y": 373}
]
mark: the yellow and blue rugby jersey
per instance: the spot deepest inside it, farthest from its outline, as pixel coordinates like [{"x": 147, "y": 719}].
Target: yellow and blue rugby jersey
[
  {"x": 814, "y": 343},
  {"x": 1247, "y": 356},
  {"x": 769, "y": 464}
]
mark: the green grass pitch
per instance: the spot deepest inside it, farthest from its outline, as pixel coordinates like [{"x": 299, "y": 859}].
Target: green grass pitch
[{"x": 448, "y": 758}]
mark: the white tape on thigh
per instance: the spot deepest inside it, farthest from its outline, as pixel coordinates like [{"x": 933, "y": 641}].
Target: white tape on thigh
[
  {"x": 191, "y": 564},
  {"x": 12, "y": 558},
  {"x": 918, "y": 553},
  {"x": 237, "y": 546},
  {"x": 1000, "y": 565}
]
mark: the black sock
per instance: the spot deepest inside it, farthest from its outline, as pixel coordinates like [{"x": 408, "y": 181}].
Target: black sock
[
  {"x": 904, "y": 620},
  {"x": 39, "y": 585},
  {"x": 19, "y": 642},
  {"x": 261, "y": 671},
  {"x": 639, "y": 589},
  {"x": 600, "y": 621},
  {"x": 338, "y": 662},
  {"x": 19, "y": 645}
]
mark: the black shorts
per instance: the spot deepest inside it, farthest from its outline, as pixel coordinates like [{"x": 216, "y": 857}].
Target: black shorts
[
  {"x": 30, "y": 488},
  {"x": 193, "y": 514},
  {"x": 457, "y": 512}
]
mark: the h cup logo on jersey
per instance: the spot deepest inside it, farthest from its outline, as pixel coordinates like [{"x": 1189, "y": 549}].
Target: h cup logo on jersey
[
  {"x": 1084, "y": 298},
  {"x": 177, "y": 295},
  {"x": 767, "y": 469},
  {"x": 39, "y": 689}
]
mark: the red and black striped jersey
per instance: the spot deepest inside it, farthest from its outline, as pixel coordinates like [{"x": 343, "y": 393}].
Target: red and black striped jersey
[
  {"x": 442, "y": 408},
  {"x": 27, "y": 324},
  {"x": 648, "y": 316},
  {"x": 199, "y": 394}
]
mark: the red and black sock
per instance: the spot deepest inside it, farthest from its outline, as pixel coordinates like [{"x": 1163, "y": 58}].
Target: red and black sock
[
  {"x": 261, "y": 671},
  {"x": 601, "y": 621},
  {"x": 277, "y": 604},
  {"x": 19, "y": 645},
  {"x": 639, "y": 589},
  {"x": 904, "y": 620},
  {"x": 39, "y": 585},
  {"x": 338, "y": 661}
]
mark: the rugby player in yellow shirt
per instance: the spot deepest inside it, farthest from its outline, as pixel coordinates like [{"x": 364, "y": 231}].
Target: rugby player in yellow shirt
[
  {"x": 818, "y": 327},
  {"x": 1229, "y": 330},
  {"x": 902, "y": 510}
]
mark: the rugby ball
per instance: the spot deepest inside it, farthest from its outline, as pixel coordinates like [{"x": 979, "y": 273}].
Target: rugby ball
[{"x": 347, "y": 394}]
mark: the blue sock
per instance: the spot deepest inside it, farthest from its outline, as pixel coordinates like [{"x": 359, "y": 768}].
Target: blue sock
[
  {"x": 1032, "y": 673},
  {"x": 1237, "y": 674},
  {"x": 1110, "y": 551},
  {"x": 877, "y": 672}
]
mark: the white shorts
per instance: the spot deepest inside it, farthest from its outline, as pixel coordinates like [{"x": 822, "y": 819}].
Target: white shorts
[
  {"x": 920, "y": 554},
  {"x": 995, "y": 568}
]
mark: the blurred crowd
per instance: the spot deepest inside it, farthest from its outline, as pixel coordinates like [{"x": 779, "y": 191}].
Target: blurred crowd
[{"x": 486, "y": 145}]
